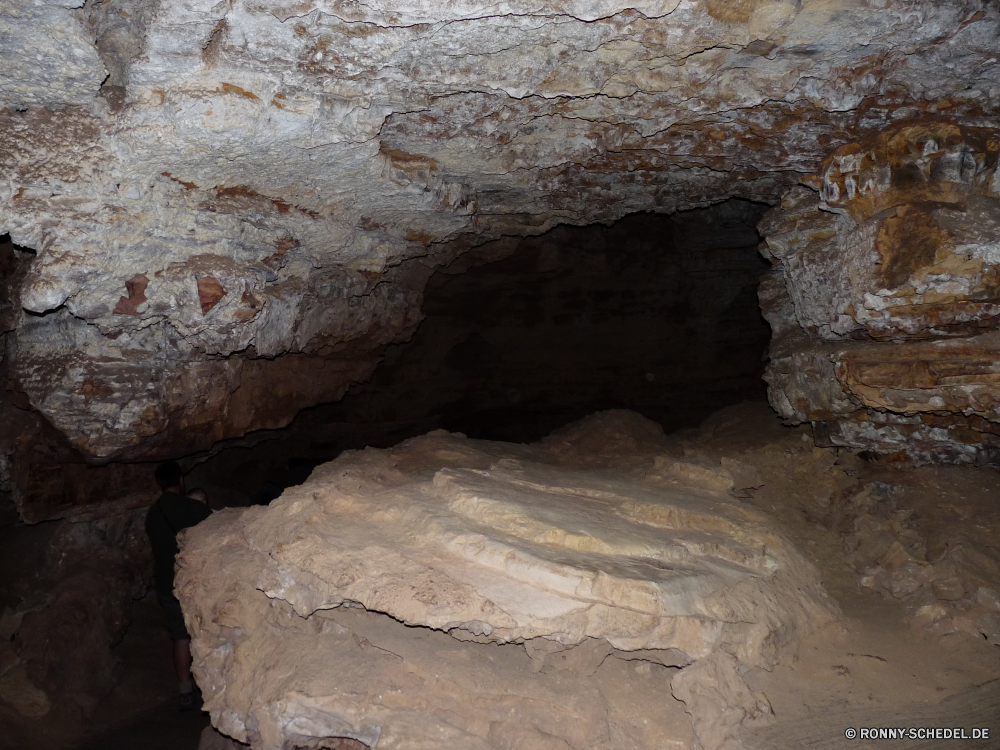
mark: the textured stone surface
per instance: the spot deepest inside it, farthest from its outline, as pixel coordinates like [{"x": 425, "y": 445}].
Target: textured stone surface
[
  {"x": 885, "y": 301},
  {"x": 926, "y": 543},
  {"x": 217, "y": 190},
  {"x": 313, "y": 616}
]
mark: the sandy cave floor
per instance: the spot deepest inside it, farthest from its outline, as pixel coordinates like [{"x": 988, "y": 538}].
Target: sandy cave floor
[
  {"x": 882, "y": 665},
  {"x": 886, "y": 664}
]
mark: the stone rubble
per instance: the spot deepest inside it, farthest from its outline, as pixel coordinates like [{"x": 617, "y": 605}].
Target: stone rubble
[{"x": 945, "y": 588}]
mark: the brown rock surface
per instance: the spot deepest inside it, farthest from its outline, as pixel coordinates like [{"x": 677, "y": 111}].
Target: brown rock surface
[
  {"x": 474, "y": 591},
  {"x": 884, "y": 301},
  {"x": 317, "y": 159},
  {"x": 66, "y": 592}
]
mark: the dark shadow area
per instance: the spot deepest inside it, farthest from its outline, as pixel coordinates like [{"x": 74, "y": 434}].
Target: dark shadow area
[
  {"x": 159, "y": 728},
  {"x": 657, "y": 314},
  {"x": 141, "y": 713}
]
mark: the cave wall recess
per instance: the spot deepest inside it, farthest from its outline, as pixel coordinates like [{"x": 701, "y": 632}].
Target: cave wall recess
[{"x": 235, "y": 207}]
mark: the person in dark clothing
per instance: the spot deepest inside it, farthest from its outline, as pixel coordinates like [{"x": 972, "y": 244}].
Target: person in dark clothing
[{"x": 167, "y": 516}]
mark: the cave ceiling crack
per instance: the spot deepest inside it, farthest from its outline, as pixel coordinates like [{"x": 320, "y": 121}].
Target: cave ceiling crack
[{"x": 440, "y": 23}]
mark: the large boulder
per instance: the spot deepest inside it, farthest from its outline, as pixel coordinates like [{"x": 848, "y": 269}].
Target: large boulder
[{"x": 475, "y": 594}]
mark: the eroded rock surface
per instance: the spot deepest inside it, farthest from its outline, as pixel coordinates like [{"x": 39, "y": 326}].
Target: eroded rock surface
[
  {"x": 885, "y": 298},
  {"x": 927, "y": 549},
  {"x": 475, "y": 594},
  {"x": 218, "y": 192}
]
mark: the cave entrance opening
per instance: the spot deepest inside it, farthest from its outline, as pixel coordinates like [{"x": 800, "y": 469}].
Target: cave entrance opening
[{"x": 653, "y": 313}]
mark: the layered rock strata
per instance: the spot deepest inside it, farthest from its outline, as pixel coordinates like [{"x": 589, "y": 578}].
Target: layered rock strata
[
  {"x": 402, "y": 598},
  {"x": 885, "y": 299},
  {"x": 219, "y": 193}
]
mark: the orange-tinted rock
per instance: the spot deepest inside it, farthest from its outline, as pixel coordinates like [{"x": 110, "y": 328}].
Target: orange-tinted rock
[
  {"x": 136, "y": 287},
  {"x": 210, "y": 293},
  {"x": 886, "y": 297}
]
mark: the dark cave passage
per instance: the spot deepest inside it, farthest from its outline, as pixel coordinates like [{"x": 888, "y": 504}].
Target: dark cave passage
[{"x": 656, "y": 314}]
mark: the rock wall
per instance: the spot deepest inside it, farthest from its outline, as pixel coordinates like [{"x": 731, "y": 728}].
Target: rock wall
[
  {"x": 885, "y": 299},
  {"x": 228, "y": 201},
  {"x": 66, "y": 591},
  {"x": 41, "y": 472}
]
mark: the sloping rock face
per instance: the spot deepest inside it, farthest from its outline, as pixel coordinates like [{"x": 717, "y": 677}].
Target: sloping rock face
[
  {"x": 404, "y": 598},
  {"x": 228, "y": 200},
  {"x": 885, "y": 298}
]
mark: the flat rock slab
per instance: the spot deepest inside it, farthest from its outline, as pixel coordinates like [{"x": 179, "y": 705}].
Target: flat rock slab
[{"x": 308, "y": 613}]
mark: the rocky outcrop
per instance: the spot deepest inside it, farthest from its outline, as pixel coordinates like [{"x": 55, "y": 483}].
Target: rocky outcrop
[
  {"x": 219, "y": 193},
  {"x": 460, "y": 592},
  {"x": 885, "y": 303}
]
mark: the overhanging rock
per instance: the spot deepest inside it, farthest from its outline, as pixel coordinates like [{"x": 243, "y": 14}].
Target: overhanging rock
[{"x": 218, "y": 190}]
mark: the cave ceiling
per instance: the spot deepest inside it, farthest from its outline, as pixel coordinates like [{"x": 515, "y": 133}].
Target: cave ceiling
[{"x": 234, "y": 206}]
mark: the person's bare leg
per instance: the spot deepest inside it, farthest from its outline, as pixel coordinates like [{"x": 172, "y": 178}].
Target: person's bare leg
[{"x": 182, "y": 660}]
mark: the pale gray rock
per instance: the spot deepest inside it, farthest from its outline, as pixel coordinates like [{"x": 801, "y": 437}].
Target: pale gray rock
[
  {"x": 254, "y": 182},
  {"x": 48, "y": 58}
]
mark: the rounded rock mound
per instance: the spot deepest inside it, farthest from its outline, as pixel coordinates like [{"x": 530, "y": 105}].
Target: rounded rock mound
[{"x": 482, "y": 594}]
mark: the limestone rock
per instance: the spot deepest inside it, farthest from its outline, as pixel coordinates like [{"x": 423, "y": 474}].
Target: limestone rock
[
  {"x": 49, "y": 56},
  {"x": 344, "y": 608},
  {"x": 215, "y": 191},
  {"x": 885, "y": 324}
]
